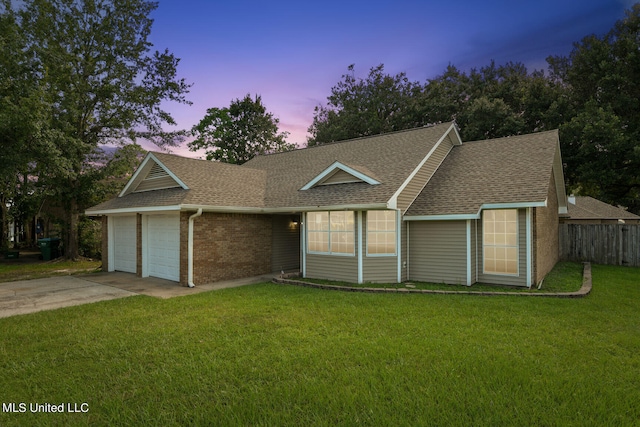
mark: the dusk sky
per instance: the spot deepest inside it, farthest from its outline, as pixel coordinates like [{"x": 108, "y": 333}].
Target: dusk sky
[{"x": 292, "y": 52}]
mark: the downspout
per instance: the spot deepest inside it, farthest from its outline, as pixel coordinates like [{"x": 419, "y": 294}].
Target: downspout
[{"x": 190, "y": 244}]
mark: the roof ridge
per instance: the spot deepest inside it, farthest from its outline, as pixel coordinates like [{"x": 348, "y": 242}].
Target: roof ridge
[
  {"x": 512, "y": 136},
  {"x": 210, "y": 162},
  {"x": 359, "y": 138}
]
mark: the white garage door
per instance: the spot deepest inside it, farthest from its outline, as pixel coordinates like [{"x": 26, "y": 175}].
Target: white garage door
[
  {"x": 163, "y": 246},
  {"x": 124, "y": 243}
]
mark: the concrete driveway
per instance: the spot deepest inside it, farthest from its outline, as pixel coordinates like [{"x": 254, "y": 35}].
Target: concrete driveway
[{"x": 29, "y": 296}]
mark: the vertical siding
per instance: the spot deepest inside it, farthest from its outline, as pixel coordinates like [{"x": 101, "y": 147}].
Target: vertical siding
[
  {"x": 377, "y": 269},
  {"x": 285, "y": 244},
  {"x": 425, "y": 173},
  {"x": 438, "y": 251},
  {"x": 502, "y": 279}
]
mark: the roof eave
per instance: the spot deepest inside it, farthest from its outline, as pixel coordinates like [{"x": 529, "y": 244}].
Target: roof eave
[
  {"x": 135, "y": 177},
  {"x": 478, "y": 214}
]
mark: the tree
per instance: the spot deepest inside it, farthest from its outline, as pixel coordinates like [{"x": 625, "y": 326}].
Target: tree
[
  {"x": 492, "y": 102},
  {"x": 23, "y": 129},
  {"x": 601, "y": 143},
  {"x": 238, "y": 133},
  {"x": 362, "y": 107},
  {"x": 98, "y": 83}
]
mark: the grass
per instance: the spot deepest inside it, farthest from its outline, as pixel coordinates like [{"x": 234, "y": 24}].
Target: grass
[
  {"x": 272, "y": 354},
  {"x": 11, "y": 271},
  {"x": 565, "y": 277}
]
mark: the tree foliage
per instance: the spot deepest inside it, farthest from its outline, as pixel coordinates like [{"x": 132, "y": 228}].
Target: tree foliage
[
  {"x": 491, "y": 102},
  {"x": 88, "y": 71},
  {"x": 361, "y": 107},
  {"x": 592, "y": 96},
  {"x": 601, "y": 142},
  {"x": 237, "y": 133}
]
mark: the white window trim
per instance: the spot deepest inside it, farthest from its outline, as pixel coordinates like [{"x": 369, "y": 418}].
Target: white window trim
[
  {"x": 333, "y": 168},
  {"x": 492, "y": 273},
  {"x": 309, "y": 251},
  {"x": 395, "y": 253}
]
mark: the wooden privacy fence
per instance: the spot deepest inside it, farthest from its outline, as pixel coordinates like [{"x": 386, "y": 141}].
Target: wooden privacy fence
[{"x": 613, "y": 244}]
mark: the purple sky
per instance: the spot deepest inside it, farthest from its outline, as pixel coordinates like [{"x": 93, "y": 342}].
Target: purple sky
[{"x": 293, "y": 52}]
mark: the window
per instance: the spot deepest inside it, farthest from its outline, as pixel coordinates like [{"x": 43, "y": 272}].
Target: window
[
  {"x": 381, "y": 233},
  {"x": 500, "y": 241},
  {"x": 331, "y": 232},
  {"x": 318, "y": 231}
]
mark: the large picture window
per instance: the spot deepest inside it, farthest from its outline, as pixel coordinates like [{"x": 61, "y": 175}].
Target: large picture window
[
  {"x": 331, "y": 232},
  {"x": 500, "y": 241},
  {"x": 381, "y": 233}
]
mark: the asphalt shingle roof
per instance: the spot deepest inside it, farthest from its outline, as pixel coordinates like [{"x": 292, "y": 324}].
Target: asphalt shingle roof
[
  {"x": 389, "y": 158},
  {"x": 506, "y": 170},
  {"x": 275, "y": 180},
  {"x": 589, "y": 208}
]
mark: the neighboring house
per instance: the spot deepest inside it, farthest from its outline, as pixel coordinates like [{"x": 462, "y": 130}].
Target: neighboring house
[
  {"x": 411, "y": 205},
  {"x": 587, "y": 210}
]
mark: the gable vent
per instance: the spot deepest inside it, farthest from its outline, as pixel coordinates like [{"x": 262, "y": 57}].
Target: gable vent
[
  {"x": 156, "y": 172},
  {"x": 156, "y": 179}
]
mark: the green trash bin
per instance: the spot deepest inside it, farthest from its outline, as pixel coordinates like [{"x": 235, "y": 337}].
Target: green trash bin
[{"x": 49, "y": 248}]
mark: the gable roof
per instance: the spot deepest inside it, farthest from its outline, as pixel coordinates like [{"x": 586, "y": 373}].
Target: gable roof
[
  {"x": 497, "y": 173},
  {"x": 204, "y": 183},
  {"x": 339, "y": 173},
  {"x": 382, "y": 164},
  {"x": 505, "y": 172},
  {"x": 389, "y": 158},
  {"x": 585, "y": 207}
]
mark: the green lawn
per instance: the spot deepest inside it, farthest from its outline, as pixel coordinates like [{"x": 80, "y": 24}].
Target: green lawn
[
  {"x": 272, "y": 354},
  {"x": 11, "y": 271}
]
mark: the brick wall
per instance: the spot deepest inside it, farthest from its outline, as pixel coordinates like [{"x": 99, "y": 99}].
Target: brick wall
[
  {"x": 546, "y": 234},
  {"x": 225, "y": 246}
]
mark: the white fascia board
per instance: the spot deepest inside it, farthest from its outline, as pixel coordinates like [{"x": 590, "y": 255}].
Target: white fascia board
[
  {"x": 477, "y": 215},
  {"x": 151, "y": 157},
  {"x": 237, "y": 209},
  {"x": 345, "y": 168},
  {"x": 393, "y": 201},
  {"x": 174, "y": 208},
  {"x": 440, "y": 217},
  {"x": 171, "y": 174},
  {"x": 287, "y": 209},
  {"x": 513, "y": 205},
  {"x": 135, "y": 175},
  {"x": 457, "y": 135},
  {"x": 357, "y": 207}
]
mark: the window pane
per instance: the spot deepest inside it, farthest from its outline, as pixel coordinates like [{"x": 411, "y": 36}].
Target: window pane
[
  {"x": 381, "y": 232},
  {"x": 500, "y": 237},
  {"x": 318, "y": 221},
  {"x": 318, "y": 241}
]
